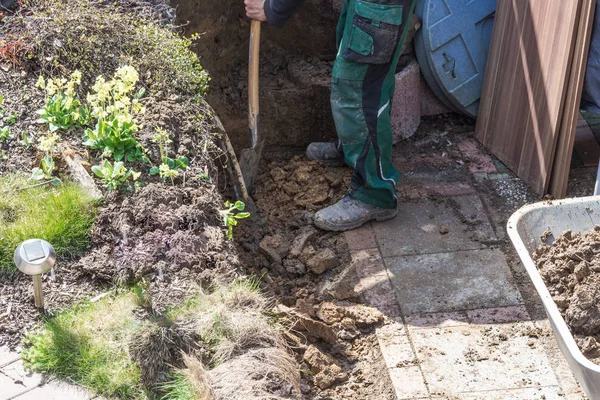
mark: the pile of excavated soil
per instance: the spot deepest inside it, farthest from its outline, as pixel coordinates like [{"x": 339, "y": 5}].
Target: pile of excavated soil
[
  {"x": 571, "y": 269},
  {"x": 311, "y": 272}
]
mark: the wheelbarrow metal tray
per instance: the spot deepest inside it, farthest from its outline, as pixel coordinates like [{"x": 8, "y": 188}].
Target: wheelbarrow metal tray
[{"x": 525, "y": 228}]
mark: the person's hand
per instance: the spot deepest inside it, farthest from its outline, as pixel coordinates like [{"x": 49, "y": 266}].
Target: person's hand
[{"x": 255, "y": 9}]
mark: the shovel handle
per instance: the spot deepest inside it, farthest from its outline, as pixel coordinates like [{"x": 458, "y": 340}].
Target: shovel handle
[{"x": 254, "y": 53}]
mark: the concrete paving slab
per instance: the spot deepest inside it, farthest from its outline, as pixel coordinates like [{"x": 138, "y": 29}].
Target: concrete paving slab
[
  {"x": 408, "y": 383},
  {"x": 501, "y": 315},
  {"x": 458, "y": 281},
  {"x": 8, "y": 387},
  {"x": 57, "y": 391},
  {"x": 475, "y": 358},
  {"x": 543, "y": 393},
  {"x": 416, "y": 230},
  {"x": 361, "y": 238},
  {"x": 7, "y": 357},
  {"x": 17, "y": 372},
  {"x": 400, "y": 354},
  {"x": 437, "y": 320}
]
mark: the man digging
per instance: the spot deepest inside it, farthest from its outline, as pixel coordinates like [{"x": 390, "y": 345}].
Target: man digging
[{"x": 369, "y": 38}]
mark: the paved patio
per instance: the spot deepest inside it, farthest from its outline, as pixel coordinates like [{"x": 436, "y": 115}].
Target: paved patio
[{"x": 463, "y": 320}]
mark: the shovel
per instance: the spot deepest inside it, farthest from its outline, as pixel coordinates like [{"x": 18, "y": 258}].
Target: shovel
[{"x": 250, "y": 157}]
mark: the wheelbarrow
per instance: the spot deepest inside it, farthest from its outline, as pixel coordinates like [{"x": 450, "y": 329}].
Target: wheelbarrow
[{"x": 525, "y": 228}]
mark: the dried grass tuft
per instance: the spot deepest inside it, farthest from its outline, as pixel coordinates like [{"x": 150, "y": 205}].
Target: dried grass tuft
[
  {"x": 156, "y": 348},
  {"x": 259, "y": 374},
  {"x": 243, "y": 331},
  {"x": 198, "y": 377}
]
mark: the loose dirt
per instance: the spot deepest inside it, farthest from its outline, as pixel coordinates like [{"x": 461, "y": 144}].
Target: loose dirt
[{"x": 571, "y": 269}]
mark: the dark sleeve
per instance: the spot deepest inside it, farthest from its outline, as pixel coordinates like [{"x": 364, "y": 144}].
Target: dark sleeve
[{"x": 279, "y": 11}]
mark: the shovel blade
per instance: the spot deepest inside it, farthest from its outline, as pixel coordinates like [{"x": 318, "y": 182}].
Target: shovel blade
[{"x": 249, "y": 161}]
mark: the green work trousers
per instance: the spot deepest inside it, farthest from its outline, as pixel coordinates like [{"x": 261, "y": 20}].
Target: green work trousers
[{"x": 370, "y": 34}]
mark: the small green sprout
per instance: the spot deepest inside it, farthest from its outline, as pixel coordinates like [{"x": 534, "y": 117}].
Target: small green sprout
[
  {"x": 46, "y": 170},
  {"x": 25, "y": 140},
  {"x": 114, "y": 175},
  {"x": 169, "y": 166},
  {"x": 230, "y": 218},
  {"x": 5, "y": 134}
]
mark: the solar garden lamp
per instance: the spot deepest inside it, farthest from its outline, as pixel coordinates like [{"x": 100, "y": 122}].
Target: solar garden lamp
[{"x": 34, "y": 257}]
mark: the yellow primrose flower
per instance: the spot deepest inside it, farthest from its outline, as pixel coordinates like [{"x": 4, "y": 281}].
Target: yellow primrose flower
[
  {"x": 41, "y": 82},
  {"x": 76, "y": 77}
]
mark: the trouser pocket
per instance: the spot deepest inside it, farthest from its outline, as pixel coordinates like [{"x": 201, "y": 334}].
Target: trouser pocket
[{"x": 374, "y": 33}]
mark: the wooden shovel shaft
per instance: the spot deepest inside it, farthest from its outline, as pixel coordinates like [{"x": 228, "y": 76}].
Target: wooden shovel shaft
[{"x": 253, "y": 81}]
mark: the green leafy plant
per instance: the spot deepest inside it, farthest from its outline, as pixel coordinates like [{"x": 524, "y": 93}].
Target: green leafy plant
[
  {"x": 231, "y": 217},
  {"x": 46, "y": 170},
  {"x": 25, "y": 141},
  {"x": 47, "y": 144},
  {"x": 114, "y": 109},
  {"x": 114, "y": 175},
  {"x": 169, "y": 166},
  {"x": 5, "y": 134},
  {"x": 63, "y": 109}
]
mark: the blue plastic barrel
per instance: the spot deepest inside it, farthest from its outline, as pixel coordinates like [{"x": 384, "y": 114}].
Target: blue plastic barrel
[{"x": 452, "y": 48}]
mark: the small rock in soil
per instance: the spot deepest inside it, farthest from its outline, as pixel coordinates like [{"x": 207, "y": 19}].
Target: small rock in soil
[
  {"x": 306, "y": 234},
  {"x": 324, "y": 260},
  {"x": 276, "y": 242},
  {"x": 294, "y": 267},
  {"x": 444, "y": 229},
  {"x": 345, "y": 285}
]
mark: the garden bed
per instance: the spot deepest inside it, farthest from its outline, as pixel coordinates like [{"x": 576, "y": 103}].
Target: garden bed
[{"x": 157, "y": 252}]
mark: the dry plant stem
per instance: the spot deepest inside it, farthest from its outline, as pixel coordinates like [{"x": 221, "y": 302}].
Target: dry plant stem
[{"x": 231, "y": 153}]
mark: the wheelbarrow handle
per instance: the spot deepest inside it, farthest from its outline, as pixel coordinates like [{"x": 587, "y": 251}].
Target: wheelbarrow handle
[{"x": 254, "y": 52}]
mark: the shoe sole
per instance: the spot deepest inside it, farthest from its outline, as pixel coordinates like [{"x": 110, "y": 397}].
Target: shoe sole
[{"x": 356, "y": 224}]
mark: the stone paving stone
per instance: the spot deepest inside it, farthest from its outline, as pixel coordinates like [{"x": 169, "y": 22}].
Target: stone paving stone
[
  {"x": 368, "y": 263},
  {"x": 416, "y": 230},
  {"x": 7, "y": 356},
  {"x": 398, "y": 354},
  {"x": 17, "y": 372},
  {"x": 57, "y": 391},
  {"x": 537, "y": 393},
  {"x": 478, "y": 160},
  {"x": 452, "y": 281},
  {"x": 472, "y": 358},
  {"x": 408, "y": 383},
  {"x": 501, "y": 315},
  {"x": 437, "y": 320},
  {"x": 361, "y": 238},
  {"x": 472, "y": 212},
  {"x": 8, "y": 387}
]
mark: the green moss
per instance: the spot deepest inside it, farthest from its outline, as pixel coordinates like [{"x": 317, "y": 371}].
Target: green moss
[
  {"x": 61, "y": 215},
  {"x": 87, "y": 345}
]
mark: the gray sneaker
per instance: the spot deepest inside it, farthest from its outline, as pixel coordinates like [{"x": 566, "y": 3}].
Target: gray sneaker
[
  {"x": 326, "y": 152},
  {"x": 349, "y": 213}
]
